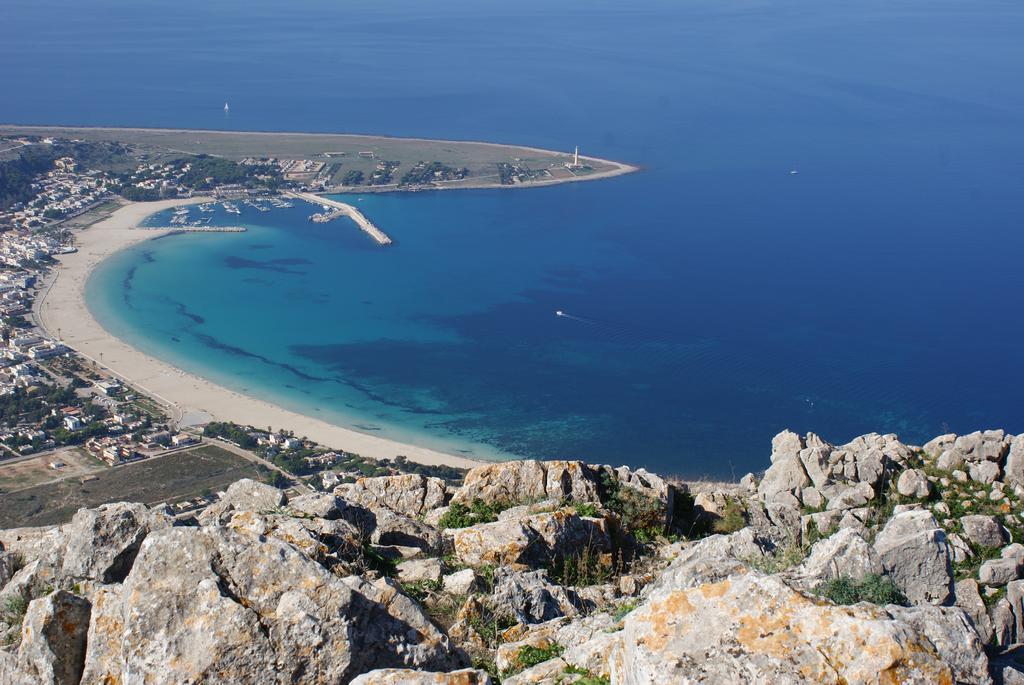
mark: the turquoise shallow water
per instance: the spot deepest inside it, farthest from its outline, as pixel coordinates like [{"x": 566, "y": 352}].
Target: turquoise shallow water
[{"x": 715, "y": 298}]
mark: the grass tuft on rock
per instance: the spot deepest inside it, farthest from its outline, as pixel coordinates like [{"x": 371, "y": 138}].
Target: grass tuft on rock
[
  {"x": 461, "y": 516},
  {"x": 872, "y": 588}
]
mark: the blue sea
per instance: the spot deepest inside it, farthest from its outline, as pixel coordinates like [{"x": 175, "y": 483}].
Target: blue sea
[{"x": 711, "y": 300}]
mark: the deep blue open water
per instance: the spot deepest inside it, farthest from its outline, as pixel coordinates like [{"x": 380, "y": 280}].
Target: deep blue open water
[{"x": 715, "y": 298}]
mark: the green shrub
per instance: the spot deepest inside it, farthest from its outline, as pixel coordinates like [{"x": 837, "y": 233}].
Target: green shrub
[
  {"x": 461, "y": 516},
  {"x": 586, "y": 677},
  {"x": 641, "y": 516},
  {"x": 587, "y": 509},
  {"x": 13, "y": 610},
  {"x": 871, "y": 588},
  {"x": 734, "y": 518},
  {"x": 422, "y": 589},
  {"x": 968, "y": 568},
  {"x": 529, "y": 656},
  {"x": 624, "y": 609}
]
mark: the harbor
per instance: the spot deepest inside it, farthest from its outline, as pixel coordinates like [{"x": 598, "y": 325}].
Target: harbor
[
  {"x": 187, "y": 228},
  {"x": 334, "y": 209}
]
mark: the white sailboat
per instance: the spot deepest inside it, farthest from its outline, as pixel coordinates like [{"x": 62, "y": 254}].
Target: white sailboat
[{"x": 226, "y": 108}]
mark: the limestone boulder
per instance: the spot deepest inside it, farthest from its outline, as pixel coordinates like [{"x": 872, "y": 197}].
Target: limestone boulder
[
  {"x": 950, "y": 460},
  {"x": 846, "y": 553},
  {"x": 460, "y": 583},
  {"x": 420, "y": 571},
  {"x": 325, "y": 541},
  {"x": 244, "y": 495},
  {"x": 97, "y": 545},
  {"x": 712, "y": 559},
  {"x": 983, "y": 471},
  {"x": 411, "y": 495},
  {"x": 990, "y": 445},
  {"x": 997, "y": 572},
  {"x": 1007, "y": 616},
  {"x": 390, "y": 528},
  {"x": 53, "y": 639},
  {"x": 786, "y": 475},
  {"x": 317, "y": 505},
  {"x": 202, "y": 602},
  {"x": 1014, "y": 469},
  {"x": 936, "y": 446},
  {"x": 983, "y": 531},
  {"x": 534, "y": 540},
  {"x": 528, "y": 481},
  {"x": 530, "y": 597},
  {"x": 852, "y": 497},
  {"x": 755, "y": 628},
  {"x": 968, "y": 598},
  {"x": 537, "y": 636},
  {"x": 915, "y": 554},
  {"x": 501, "y": 542},
  {"x": 405, "y": 676},
  {"x": 913, "y": 483},
  {"x": 26, "y": 545},
  {"x": 952, "y": 633}
]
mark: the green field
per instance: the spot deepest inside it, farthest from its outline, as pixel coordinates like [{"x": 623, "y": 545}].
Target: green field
[
  {"x": 170, "y": 478},
  {"x": 341, "y": 150}
]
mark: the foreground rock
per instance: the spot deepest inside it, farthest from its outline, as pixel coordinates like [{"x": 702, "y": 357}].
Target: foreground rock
[
  {"x": 531, "y": 540},
  {"x": 915, "y": 554},
  {"x": 52, "y": 648},
  {"x": 752, "y": 628},
  {"x": 404, "y": 676},
  {"x": 575, "y": 580},
  {"x": 410, "y": 494},
  {"x": 203, "y": 602}
]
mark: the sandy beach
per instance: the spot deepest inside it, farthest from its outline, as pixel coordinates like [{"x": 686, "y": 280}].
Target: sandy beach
[{"x": 61, "y": 308}]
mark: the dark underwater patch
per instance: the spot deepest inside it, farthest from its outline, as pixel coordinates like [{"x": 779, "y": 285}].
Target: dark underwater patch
[{"x": 234, "y": 262}]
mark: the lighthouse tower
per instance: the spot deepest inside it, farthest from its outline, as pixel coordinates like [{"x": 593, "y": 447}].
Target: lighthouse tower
[{"x": 575, "y": 159}]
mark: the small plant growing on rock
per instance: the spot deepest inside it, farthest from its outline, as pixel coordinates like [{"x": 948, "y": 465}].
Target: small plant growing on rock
[
  {"x": 490, "y": 625},
  {"x": 641, "y": 516},
  {"x": 871, "y": 588},
  {"x": 585, "y": 677},
  {"x": 780, "y": 559},
  {"x": 968, "y": 568},
  {"x": 422, "y": 590},
  {"x": 733, "y": 518},
  {"x": 588, "y": 567},
  {"x": 13, "y": 613},
  {"x": 587, "y": 510},
  {"x": 529, "y": 656},
  {"x": 461, "y": 516},
  {"x": 625, "y": 609}
]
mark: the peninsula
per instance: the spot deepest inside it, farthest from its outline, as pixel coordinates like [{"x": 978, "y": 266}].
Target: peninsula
[{"x": 327, "y": 162}]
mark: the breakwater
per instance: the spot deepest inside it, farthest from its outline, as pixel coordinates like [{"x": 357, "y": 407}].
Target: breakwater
[{"x": 343, "y": 209}]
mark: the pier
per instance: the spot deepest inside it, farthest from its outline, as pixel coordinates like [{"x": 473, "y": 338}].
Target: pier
[{"x": 342, "y": 209}]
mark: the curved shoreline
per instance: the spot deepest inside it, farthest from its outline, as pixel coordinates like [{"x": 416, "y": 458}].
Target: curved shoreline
[{"x": 61, "y": 307}]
